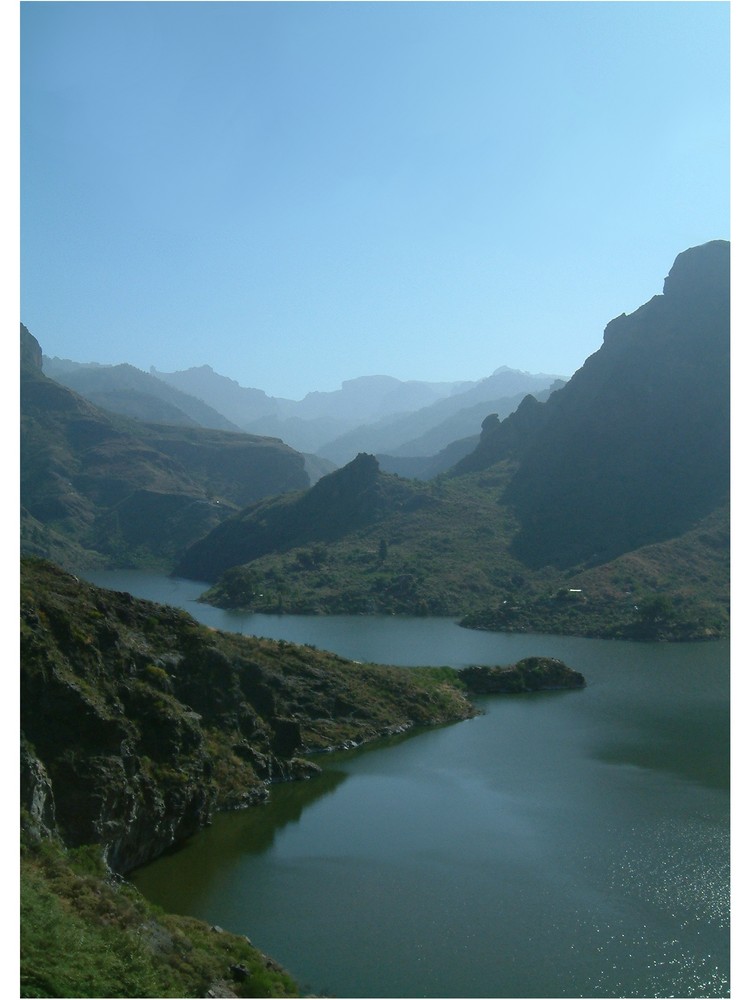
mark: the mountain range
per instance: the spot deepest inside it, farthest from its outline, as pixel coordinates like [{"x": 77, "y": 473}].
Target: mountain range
[
  {"x": 376, "y": 413},
  {"x": 94, "y": 484},
  {"x": 134, "y": 393},
  {"x": 630, "y": 456},
  {"x": 631, "y": 453}
]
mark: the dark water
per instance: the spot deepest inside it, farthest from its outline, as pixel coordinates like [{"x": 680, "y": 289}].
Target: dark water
[{"x": 563, "y": 844}]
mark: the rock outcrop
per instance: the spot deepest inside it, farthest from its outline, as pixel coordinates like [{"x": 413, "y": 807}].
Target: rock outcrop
[
  {"x": 634, "y": 449},
  {"x": 534, "y": 673},
  {"x": 139, "y": 724}
]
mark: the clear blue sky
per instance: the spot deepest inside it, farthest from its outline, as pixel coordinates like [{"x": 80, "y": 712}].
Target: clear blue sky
[{"x": 301, "y": 193}]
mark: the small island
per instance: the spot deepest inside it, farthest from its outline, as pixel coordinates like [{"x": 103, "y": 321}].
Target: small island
[{"x": 534, "y": 673}]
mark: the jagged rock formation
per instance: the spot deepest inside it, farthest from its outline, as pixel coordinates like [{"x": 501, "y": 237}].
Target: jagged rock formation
[
  {"x": 635, "y": 448},
  {"x": 138, "y": 724}
]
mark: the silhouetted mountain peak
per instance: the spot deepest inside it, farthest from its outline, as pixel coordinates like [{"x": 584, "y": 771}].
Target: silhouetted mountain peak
[
  {"x": 363, "y": 468},
  {"x": 700, "y": 271},
  {"x": 634, "y": 449}
]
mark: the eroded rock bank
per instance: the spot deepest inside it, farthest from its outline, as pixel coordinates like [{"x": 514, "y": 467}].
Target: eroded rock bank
[{"x": 139, "y": 724}]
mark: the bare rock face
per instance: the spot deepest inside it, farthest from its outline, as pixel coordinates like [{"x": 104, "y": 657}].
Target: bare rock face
[
  {"x": 700, "y": 271},
  {"x": 31, "y": 352},
  {"x": 37, "y": 798}
]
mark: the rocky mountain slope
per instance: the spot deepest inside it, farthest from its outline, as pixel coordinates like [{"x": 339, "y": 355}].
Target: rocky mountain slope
[
  {"x": 635, "y": 448},
  {"x": 632, "y": 453},
  {"x": 139, "y": 724},
  {"x": 94, "y": 483}
]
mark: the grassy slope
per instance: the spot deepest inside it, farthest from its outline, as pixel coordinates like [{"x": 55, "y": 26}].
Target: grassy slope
[
  {"x": 443, "y": 551},
  {"x": 86, "y": 934}
]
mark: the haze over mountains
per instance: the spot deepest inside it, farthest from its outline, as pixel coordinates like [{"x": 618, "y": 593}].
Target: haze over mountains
[
  {"x": 372, "y": 413},
  {"x": 93, "y": 483},
  {"x": 128, "y": 390},
  {"x": 631, "y": 453}
]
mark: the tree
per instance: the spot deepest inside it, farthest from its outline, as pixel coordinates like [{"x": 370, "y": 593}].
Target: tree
[{"x": 655, "y": 608}]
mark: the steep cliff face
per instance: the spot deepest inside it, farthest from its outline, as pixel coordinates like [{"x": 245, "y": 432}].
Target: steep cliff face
[
  {"x": 635, "y": 448},
  {"x": 138, "y": 724}
]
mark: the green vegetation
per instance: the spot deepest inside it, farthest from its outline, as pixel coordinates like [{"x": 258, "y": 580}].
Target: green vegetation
[
  {"x": 86, "y": 933},
  {"x": 138, "y": 724},
  {"x": 445, "y": 548},
  {"x": 450, "y": 553},
  {"x": 534, "y": 673},
  {"x": 568, "y": 516}
]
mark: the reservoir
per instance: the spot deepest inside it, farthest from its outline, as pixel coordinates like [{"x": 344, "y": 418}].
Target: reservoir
[{"x": 563, "y": 844}]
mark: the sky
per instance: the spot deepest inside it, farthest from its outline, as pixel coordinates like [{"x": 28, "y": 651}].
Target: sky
[{"x": 302, "y": 193}]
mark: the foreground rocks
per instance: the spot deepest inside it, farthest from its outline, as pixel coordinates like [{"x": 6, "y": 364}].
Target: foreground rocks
[{"x": 139, "y": 724}]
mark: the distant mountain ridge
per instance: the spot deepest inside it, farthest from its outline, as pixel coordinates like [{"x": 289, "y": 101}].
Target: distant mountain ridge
[
  {"x": 371, "y": 413},
  {"x": 128, "y": 390},
  {"x": 96, "y": 484},
  {"x": 430, "y": 428}
]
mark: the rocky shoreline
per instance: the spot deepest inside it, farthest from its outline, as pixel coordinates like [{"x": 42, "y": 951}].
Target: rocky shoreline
[{"x": 139, "y": 725}]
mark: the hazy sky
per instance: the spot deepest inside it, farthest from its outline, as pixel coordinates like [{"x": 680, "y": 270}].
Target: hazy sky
[{"x": 301, "y": 193}]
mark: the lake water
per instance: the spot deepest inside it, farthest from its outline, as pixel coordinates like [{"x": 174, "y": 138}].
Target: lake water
[{"x": 566, "y": 844}]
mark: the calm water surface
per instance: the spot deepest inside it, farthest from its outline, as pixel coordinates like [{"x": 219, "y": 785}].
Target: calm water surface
[{"x": 568, "y": 844}]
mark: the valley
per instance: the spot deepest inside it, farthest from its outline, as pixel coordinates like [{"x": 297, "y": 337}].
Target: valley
[{"x": 596, "y": 509}]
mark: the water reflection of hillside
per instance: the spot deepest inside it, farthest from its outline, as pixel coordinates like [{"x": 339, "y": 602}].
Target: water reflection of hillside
[
  {"x": 233, "y": 836},
  {"x": 229, "y": 838}
]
